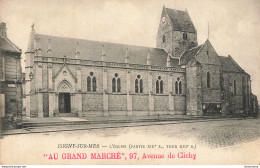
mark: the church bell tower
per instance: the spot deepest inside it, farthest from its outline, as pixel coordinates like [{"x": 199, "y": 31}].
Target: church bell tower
[{"x": 176, "y": 32}]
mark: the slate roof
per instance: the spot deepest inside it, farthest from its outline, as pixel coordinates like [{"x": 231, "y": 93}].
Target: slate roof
[
  {"x": 181, "y": 20},
  {"x": 92, "y": 50},
  {"x": 6, "y": 44},
  {"x": 189, "y": 54},
  {"x": 229, "y": 65}
]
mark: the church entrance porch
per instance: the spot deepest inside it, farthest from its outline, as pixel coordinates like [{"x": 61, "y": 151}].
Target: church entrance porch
[
  {"x": 211, "y": 109},
  {"x": 64, "y": 103}
]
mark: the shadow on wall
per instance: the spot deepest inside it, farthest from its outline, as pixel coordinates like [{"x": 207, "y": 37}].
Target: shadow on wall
[{"x": 12, "y": 118}]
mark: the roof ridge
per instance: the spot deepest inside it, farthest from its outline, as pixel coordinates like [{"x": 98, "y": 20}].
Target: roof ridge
[
  {"x": 190, "y": 50},
  {"x": 235, "y": 63},
  {"x": 12, "y": 44},
  {"x": 175, "y": 9},
  {"x": 180, "y": 20},
  {"x": 100, "y": 41},
  {"x": 194, "y": 47},
  {"x": 91, "y": 50},
  {"x": 202, "y": 45},
  {"x": 169, "y": 53},
  {"x": 191, "y": 19},
  {"x": 225, "y": 60}
]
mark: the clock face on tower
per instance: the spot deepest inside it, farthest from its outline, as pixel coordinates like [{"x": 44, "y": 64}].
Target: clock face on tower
[{"x": 163, "y": 19}]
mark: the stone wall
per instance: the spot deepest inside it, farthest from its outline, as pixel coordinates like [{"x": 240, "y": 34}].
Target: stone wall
[
  {"x": 194, "y": 89},
  {"x": 236, "y": 102},
  {"x": 92, "y": 102},
  {"x": 210, "y": 63},
  {"x": 117, "y": 102},
  {"x": 45, "y": 104},
  {"x": 97, "y": 72},
  {"x": 161, "y": 103},
  {"x": 165, "y": 29},
  {"x": 103, "y": 101},
  {"x": 180, "y": 45},
  {"x": 180, "y": 104},
  {"x": 140, "y": 103},
  {"x": 11, "y": 88}
]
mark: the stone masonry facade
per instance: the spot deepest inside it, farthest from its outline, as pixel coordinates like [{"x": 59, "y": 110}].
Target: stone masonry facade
[{"x": 74, "y": 77}]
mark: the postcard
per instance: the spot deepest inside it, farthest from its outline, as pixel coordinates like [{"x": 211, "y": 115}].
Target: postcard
[{"x": 165, "y": 82}]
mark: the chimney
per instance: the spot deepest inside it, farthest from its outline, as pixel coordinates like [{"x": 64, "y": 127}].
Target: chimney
[{"x": 3, "y": 29}]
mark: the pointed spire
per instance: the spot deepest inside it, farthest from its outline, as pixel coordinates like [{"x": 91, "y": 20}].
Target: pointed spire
[
  {"x": 168, "y": 64},
  {"x": 49, "y": 51},
  {"x": 148, "y": 59},
  {"x": 31, "y": 43},
  {"x": 126, "y": 56},
  {"x": 103, "y": 55},
  {"x": 77, "y": 53},
  {"x": 208, "y": 30},
  {"x": 207, "y": 41}
]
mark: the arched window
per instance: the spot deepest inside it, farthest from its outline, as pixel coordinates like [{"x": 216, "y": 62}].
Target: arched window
[
  {"x": 208, "y": 80},
  {"x": 176, "y": 87},
  {"x": 141, "y": 85},
  {"x": 164, "y": 39},
  {"x": 94, "y": 84},
  {"x": 138, "y": 84},
  {"x": 116, "y": 84},
  {"x": 159, "y": 85},
  {"x": 91, "y": 82},
  {"x": 235, "y": 87},
  {"x": 180, "y": 88},
  {"x": 185, "y": 36}
]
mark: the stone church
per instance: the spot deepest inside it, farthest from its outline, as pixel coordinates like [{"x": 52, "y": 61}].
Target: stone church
[{"x": 76, "y": 77}]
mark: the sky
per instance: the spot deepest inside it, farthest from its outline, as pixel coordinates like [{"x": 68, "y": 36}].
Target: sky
[{"x": 234, "y": 25}]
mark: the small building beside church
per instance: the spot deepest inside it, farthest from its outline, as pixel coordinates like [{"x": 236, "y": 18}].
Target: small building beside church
[
  {"x": 76, "y": 77},
  {"x": 10, "y": 81}
]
